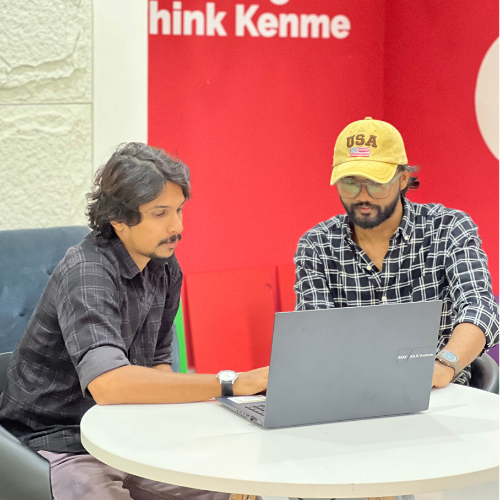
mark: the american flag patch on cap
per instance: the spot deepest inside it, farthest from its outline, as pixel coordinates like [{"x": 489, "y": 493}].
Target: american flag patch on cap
[{"x": 356, "y": 152}]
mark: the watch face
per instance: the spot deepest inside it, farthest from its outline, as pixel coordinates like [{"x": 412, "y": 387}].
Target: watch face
[
  {"x": 226, "y": 376},
  {"x": 449, "y": 356}
]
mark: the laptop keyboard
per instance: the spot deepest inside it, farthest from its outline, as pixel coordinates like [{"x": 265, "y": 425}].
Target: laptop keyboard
[{"x": 259, "y": 409}]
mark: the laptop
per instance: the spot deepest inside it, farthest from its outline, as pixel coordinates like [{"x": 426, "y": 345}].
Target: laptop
[{"x": 348, "y": 363}]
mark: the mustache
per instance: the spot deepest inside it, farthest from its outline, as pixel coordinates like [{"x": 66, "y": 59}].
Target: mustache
[
  {"x": 365, "y": 204},
  {"x": 172, "y": 239}
]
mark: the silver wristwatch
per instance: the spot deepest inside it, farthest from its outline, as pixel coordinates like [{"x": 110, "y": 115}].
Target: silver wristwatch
[
  {"x": 226, "y": 379},
  {"x": 450, "y": 359}
]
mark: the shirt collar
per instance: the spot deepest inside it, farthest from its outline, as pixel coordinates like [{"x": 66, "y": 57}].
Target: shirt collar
[
  {"x": 128, "y": 268},
  {"x": 347, "y": 230},
  {"x": 407, "y": 223}
]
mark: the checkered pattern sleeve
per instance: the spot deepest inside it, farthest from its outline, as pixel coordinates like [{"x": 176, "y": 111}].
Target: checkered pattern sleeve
[
  {"x": 469, "y": 280},
  {"x": 311, "y": 288},
  {"x": 90, "y": 321}
]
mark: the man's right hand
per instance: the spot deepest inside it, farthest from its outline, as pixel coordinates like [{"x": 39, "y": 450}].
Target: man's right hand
[{"x": 251, "y": 382}]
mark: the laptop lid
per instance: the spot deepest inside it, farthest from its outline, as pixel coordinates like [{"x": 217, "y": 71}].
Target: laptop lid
[{"x": 349, "y": 363}]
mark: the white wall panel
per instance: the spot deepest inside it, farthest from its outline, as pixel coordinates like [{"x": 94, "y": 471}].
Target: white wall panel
[
  {"x": 120, "y": 75},
  {"x": 45, "y": 165},
  {"x": 45, "y": 112},
  {"x": 45, "y": 51}
]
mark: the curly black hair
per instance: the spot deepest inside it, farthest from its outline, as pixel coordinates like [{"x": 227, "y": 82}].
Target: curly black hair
[
  {"x": 134, "y": 175},
  {"x": 413, "y": 182}
]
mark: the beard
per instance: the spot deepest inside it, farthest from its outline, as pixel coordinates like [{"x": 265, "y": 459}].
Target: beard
[
  {"x": 158, "y": 258},
  {"x": 381, "y": 215}
]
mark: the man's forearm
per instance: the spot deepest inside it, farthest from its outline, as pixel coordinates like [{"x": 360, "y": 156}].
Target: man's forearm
[
  {"x": 140, "y": 385},
  {"x": 467, "y": 342}
]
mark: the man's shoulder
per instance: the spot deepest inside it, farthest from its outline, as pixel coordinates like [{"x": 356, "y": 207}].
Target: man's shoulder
[
  {"x": 92, "y": 253},
  {"x": 325, "y": 238},
  {"x": 329, "y": 228},
  {"x": 438, "y": 215}
]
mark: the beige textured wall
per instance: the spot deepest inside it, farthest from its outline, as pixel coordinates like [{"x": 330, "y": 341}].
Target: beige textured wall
[{"x": 45, "y": 112}]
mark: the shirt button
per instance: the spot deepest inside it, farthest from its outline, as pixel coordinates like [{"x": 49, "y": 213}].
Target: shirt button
[
  {"x": 134, "y": 361},
  {"x": 384, "y": 299},
  {"x": 406, "y": 237},
  {"x": 142, "y": 299},
  {"x": 368, "y": 268}
]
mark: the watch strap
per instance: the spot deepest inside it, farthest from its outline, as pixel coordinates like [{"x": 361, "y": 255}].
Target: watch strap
[
  {"x": 455, "y": 365},
  {"x": 226, "y": 389}
]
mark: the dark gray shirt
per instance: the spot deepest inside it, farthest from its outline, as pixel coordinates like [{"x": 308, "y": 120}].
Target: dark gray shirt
[{"x": 98, "y": 312}]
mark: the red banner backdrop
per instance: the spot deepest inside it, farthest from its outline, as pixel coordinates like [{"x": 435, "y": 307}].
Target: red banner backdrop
[
  {"x": 432, "y": 59},
  {"x": 253, "y": 96},
  {"x": 255, "y": 119}
]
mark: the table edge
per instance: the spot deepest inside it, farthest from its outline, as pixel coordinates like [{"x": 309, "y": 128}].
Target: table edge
[{"x": 290, "y": 490}]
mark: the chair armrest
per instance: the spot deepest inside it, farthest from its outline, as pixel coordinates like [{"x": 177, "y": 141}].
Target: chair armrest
[
  {"x": 485, "y": 374},
  {"x": 4, "y": 364}
]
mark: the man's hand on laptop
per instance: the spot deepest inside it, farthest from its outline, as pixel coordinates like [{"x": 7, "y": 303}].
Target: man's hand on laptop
[
  {"x": 442, "y": 375},
  {"x": 251, "y": 382}
]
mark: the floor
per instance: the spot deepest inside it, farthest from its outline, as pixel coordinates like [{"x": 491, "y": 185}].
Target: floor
[{"x": 486, "y": 491}]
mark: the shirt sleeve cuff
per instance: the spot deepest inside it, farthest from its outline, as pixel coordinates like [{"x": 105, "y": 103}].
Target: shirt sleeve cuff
[
  {"x": 483, "y": 318},
  {"x": 98, "y": 361},
  {"x": 163, "y": 357}
]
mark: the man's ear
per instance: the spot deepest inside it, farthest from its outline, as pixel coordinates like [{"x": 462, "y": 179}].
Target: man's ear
[
  {"x": 404, "y": 179},
  {"x": 118, "y": 226}
]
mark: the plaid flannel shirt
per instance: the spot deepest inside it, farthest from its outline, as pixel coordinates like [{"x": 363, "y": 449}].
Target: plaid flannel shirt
[
  {"x": 98, "y": 312},
  {"x": 434, "y": 254}
]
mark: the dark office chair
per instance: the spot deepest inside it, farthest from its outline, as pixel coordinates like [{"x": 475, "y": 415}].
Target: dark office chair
[
  {"x": 485, "y": 374},
  {"x": 28, "y": 257},
  {"x": 24, "y": 475},
  {"x": 4, "y": 363}
]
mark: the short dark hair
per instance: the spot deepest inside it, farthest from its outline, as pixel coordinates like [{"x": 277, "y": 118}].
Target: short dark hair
[
  {"x": 134, "y": 175},
  {"x": 413, "y": 182}
]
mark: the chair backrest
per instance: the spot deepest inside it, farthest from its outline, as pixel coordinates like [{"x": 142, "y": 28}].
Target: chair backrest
[
  {"x": 24, "y": 475},
  {"x": 485, "y": 374},
  {"x": 4, "y": 363},
  {"x": 28, "y": 257}
]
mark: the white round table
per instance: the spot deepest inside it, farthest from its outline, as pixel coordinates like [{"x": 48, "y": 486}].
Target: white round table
[{"x": 203, "y": 445}]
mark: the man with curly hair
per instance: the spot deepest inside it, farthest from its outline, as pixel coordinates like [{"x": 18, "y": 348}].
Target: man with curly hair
[{"x": 102, "y": 331}]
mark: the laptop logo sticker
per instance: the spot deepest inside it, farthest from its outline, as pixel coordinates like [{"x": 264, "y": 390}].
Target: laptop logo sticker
[{"x": 409, "y": 354}]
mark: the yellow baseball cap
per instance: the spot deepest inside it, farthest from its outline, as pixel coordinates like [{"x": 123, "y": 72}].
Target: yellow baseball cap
[{"x": 368, "y": 148}]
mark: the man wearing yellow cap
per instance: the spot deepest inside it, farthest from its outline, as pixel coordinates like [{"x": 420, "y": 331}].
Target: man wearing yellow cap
[{"x": 387, "y": 249}]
